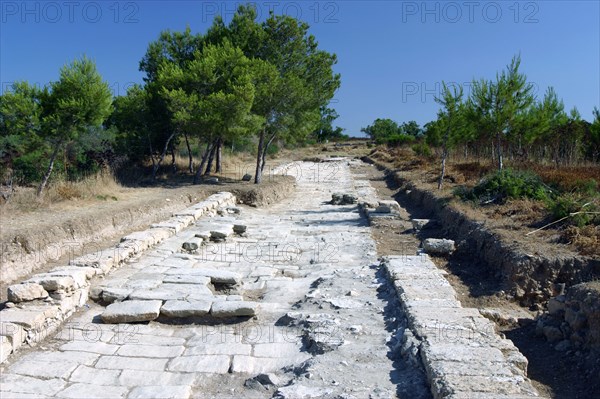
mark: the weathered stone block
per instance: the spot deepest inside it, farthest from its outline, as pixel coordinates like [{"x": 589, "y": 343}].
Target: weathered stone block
[
  {"x": 131, "y": 311},
  {"x": 185, "y": 308},
  {"x": 224, "y": 309},
  {"x": 26, "y": 292}
]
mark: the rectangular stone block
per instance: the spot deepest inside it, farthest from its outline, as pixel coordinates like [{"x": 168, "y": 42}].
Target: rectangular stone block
[
  {"x": 224, "y": 309},
  {"x": 131, "y": 311},
  {"x": 26, "y": 318},
  {"x": 131, "y": 363},
  {"x": 153, "y": 351},
  {"x": 151, "y": 378},
  {"x": 14, "y": 333},
  {"x": 6, "y": 349},
  {"x": 185, "y": 308},
  {"x": 256, "y": 365},
  {"x": 23, "y": 384},
  {"x": 43, "y": 369},
  {"x": 93, "y": 391},
  {"x": 161, "y": 392},
  {"x": 215, "y": 364},
  {"x": 87, "y": 374}
]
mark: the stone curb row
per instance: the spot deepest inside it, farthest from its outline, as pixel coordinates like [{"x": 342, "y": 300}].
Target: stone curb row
[
  {"x": 38, "y": 306},
  {"x": 462, "y": 354}
]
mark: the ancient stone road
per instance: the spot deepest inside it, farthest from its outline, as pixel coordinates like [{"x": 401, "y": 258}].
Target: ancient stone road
[{"x": 325, "y": 324}]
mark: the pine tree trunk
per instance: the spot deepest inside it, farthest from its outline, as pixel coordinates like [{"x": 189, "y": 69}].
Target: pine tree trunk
[
  {"x": 49, "y": 170},
  {"x": 189, "y": 150},
  {"x": 443, "y": 174},
  {"x": 259, "y": 156},
  {"x": 198, "y": 175},
  {"x": 264, "y": 154},
  {"x": 173, "y": 164},
  {"x": 162, "y": 157},
  {"x": 219, "y": 156},
  {"x": 151, "y": 153},
  {"x": 211, "y": 158},
  {"x": 499, "y": 151}
]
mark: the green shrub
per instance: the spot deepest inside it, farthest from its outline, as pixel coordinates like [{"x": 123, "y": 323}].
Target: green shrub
[
  {"x": 505, "y": 184},
  {"x": 422, "y": 149},
  {"x": 272, "y": 150},
  {"x": 30, "y": 167},
  {"x": 580, "y": 210},
  {"x": 397, "y": 140}
]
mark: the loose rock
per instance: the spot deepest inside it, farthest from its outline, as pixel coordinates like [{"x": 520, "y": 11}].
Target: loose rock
[
  {"x": 438, "y": 246},
  {"x": 192, "y": 244}
]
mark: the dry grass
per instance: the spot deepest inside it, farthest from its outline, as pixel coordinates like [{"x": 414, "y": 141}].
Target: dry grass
[
  {"x": 565, "y": 178},
  {"x": 473, "y": 171},
  {"x": 101, "y": 186},
  {"x": 585, "y": 239}
]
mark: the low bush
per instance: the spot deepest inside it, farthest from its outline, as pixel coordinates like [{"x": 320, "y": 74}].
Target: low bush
[
  {"x": 506, "y": 184},
  {"x": 580, "y": 210},
  {"x": 422, "y": 150}
]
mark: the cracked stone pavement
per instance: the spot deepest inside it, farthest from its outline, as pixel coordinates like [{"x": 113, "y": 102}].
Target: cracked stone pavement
[{"x": 325, "y": 326}]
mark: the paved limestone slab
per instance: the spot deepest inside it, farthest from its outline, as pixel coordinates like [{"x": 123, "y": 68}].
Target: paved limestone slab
[
  {"x": 90, "y": 345},
  {"x": 85, "y": 374},
  {"x": 226, "y": 309},
  {"x": 131, "y": 311},
  {"x": 156, "y": 295},
  {"x": 185, "y": 308},
  {"x": 161, "y": 392},
  {"x": 86, "y": 358},
  {"x": 131, "y": 363},
  {"x": 23, "y": 384},
  {"x": 189, "y": 289},
  {"x": 218, "y": 276},
  {"x": 186, "y": 279},
  {"x": 92, "y": 391},
  {"x": 220, "y": 348},
  {"x": 111, "y": 294},
  {"x": 152, "y": 378},
  {"x": 216, "y": 364},
  {"x": 256, "y": 365},
  {"x": 153, "y": 351},
  {"x": 43, "y": 369}
]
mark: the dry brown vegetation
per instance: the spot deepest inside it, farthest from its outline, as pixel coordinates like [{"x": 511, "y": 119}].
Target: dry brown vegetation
[{"x": 519, "y": 216}]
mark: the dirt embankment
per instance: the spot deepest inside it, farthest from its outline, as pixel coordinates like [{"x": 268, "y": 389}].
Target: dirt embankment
[
  {"x": 532, "y": 271},
  {"x": 31, "y": 240}
]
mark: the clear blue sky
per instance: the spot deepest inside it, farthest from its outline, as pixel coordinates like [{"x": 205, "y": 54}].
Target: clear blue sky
[{"x": 393, "y": 55}]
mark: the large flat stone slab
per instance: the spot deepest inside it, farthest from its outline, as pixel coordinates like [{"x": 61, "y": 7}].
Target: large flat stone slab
[
  {"x": 13, "y": 383},
  {"x": 218, "y": 276},
  {"x": 161, "y": 392},
  {"x": 225, "y": 309},
  {"x": 131, "y": 363},
  {"x": 185, "y": 308},
  {"x": 92, "y": 391},
  {"x": 214, "y": 364},
  {"x": 131, "y": 311}
]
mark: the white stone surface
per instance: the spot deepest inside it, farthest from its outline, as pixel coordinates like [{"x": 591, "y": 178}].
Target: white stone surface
[{"x": 131, "y": 311}]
